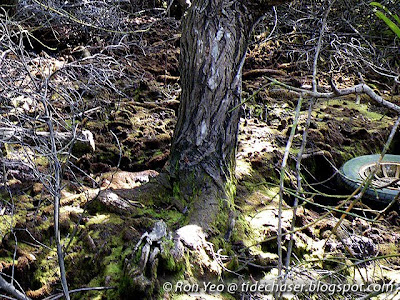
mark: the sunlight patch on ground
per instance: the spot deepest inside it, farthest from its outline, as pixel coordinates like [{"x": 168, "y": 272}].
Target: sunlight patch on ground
[
  {"x": 254, "y": 138},
  {"x": 269, "y": 218},
  {"x": 243, "y": 169},
  {"x": 70, "y": 208},
  {"x": 98, "y": 219}
]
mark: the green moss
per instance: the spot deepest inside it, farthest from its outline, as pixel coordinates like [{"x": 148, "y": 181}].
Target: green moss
[
  {"x": 138, "y": 255},
  {"x": 157, "y": 153},
  {"x": 113, "y": 269},
  {"x": 6, "y": 259},
  {"x": 41, "y": 161},
  {"x": 80, "y": 148},
  {"x": 220, "y": 225},
  {"x": 47, "y": 269},
  {"x": 230, "y": 188},
  {"x": 109, "y": 156},
  {"x": 105, "y": 219},
  {"x": 94, "y": 125},
  {"x": 136, "y": 94},
  {"x": 171, "y": 217},
  {"x": 271, "y": 191},
  {"x": 6, "y": 224},
  {"x": 391, "y": 249},
  {"x": 114, "y": 263},
  {"x": 356, "y": 149},
  {"x": 233, "y": 264},
  {"x": 97, "y": 295},
  {"x": 242, "y": 231},
  {"x": 168, "y": 262},
  {"x": 363, "y": 108},
  {"x": 125, "y": 287}
]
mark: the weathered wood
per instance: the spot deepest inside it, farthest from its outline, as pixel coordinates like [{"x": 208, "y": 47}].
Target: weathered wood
[
  {"x": 30, "y": 137},
  {"x": 261, "y": 72}
]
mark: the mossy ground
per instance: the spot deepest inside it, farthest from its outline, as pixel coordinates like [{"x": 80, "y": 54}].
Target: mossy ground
[{"x": 103, "y": 241}]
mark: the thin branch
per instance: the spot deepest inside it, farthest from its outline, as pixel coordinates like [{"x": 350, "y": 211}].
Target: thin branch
[
  {"x": 102, "y": 288},
  {"x": 9, "y": 288},
  {"x": 282, "y": 179},
  {"x": 357, "y": 89},
  {"x": 56, "y": 193}
]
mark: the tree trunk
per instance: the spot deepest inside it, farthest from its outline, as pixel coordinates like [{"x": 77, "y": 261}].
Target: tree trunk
[{"x": 213, "y": 47}]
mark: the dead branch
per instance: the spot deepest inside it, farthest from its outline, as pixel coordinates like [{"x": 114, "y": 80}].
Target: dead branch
[
  {"x": 30, "y": 137},
  {"x": 100, "y": 288},
  {"x": 261, "y": 72},
  {"x": 9, "y": 288},
  {"x": 357, "y": 89},
  {"x": 167, "y": 78},
  {"x": 56, "y": 192}
]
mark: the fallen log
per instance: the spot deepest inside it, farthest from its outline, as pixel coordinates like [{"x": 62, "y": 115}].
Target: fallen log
[
  {"x": 31, "y": 137},
  {"x": 261, "y": 72}
]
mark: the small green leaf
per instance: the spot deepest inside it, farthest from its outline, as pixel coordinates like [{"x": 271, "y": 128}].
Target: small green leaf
[
  {"x": 388, "y": 22},
  {"x": 377, "y": 4},
  {"x": 397, "y": 18}
]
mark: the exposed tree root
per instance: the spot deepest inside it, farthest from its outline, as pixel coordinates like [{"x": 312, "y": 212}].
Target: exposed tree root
[{"x": 185, "y": 250}]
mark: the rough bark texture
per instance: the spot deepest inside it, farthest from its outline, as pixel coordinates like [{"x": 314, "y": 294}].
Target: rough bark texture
[{"x": 213, "y": 47}]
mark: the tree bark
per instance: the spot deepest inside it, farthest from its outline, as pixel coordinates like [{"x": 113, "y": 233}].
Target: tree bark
[{"x": 213, "y": 47}]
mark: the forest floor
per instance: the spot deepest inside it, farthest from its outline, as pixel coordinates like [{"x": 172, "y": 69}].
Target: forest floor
[{"x": 100, "y": 233}]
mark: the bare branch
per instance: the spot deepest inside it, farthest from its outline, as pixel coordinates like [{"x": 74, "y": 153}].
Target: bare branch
[
  {"x": 357, "y": 89},
  {"x": 9, "y": 288}
]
